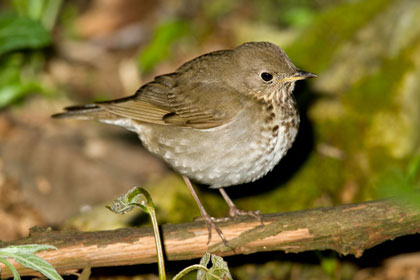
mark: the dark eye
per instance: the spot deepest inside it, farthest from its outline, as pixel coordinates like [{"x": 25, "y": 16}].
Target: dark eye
[{"x": 266, "y": 76}]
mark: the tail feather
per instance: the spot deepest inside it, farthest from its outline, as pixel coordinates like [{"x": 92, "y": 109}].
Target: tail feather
[{"x": 85, "y": 112}]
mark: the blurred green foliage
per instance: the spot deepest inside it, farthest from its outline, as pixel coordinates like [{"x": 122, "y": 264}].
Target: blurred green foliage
[
  {"x": 375, "y": 92},
  {"x": 292, "y": 14},
  {"x": 24, "y": 30},
  {"x": 330, "y": 29},
  {"x": 364, "y": 103},
  {"x": 367, "y": 118},
  {"x": 159, "y": 48},
  {"x": 18, "y": 33},
  {"x": 44, "y": 11},
  {"x": 402, "y": 183},
  {"x": 286, "y": 13},
  {"x": 13, "y": 86}
]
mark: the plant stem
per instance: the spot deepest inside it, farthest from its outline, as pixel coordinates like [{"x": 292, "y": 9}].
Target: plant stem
[
  {"x": 187, "y": 270},
  {"x": 159, "y": 248}
]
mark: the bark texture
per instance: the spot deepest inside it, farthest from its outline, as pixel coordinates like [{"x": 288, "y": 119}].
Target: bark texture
[{"x": 347, "y": 229}]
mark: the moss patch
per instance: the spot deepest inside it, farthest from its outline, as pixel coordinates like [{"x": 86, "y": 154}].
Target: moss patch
[
  {"x": 375, "y": 93},
  {"x": 314, "y": 48}
]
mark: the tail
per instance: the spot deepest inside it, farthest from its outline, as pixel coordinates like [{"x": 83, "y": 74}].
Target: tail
[{"x": 85, "y": 112}]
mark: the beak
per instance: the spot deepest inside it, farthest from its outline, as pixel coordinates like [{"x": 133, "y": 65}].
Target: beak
[
  {"x": 299, "y": 75},
  {"x": 302, "y": 75}
]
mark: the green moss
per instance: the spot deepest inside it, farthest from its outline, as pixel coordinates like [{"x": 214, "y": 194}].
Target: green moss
[
  {"x": 366, "y": 121},
  {"x": 381, "y": 165},
  {"x": 376, "y": 92},
  {"x": 322, "y": 179},
  {"x": 320, "y": 175},
  {"x": 313, "y": 49},
  {"x": 343, "y": 134}
]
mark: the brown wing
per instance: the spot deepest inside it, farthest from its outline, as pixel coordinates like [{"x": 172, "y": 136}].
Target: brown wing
[{"x": 165, "y": 101}]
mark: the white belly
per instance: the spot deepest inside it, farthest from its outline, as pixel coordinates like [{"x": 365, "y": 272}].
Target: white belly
[{"x": 222, "y": 156}]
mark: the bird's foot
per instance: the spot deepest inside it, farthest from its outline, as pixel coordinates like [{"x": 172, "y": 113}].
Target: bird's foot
[
  {"x": 211, "y": 223},
  {"x": 235, "y": 212}
]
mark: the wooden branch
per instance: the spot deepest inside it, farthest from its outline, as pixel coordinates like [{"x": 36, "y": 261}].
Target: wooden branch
[{"x": 347, "y": 229}]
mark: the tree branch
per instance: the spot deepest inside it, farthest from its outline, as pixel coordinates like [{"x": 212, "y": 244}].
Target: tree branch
[{"x": 347, "y": 229}]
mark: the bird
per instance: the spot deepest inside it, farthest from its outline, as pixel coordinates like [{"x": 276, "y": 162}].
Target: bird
[{"x": 224, "y": 118}]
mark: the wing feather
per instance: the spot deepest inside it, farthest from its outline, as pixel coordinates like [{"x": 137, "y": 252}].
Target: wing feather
[
  {"x": 168, "y": 101},
  {"x": 137, "y": 110}
]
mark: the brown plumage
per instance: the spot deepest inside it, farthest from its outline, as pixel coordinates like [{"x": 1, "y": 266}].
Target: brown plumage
[{"x": 222, "y": 119}]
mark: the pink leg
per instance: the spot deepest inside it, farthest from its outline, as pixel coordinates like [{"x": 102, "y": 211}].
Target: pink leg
[
  {"x": 234, "y": 211},
  {"x": 207, "y": 218}
]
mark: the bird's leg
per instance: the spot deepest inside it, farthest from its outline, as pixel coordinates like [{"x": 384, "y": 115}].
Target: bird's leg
[
  {"x": 206, "y": 217},
  {"x": 234, "y": 211}
]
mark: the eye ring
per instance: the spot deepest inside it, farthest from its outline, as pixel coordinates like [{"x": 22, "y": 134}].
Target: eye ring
[{"x": 267, "y": 77}]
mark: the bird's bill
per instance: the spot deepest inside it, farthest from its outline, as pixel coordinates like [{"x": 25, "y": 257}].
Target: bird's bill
[{"x": 299, "y": 75}]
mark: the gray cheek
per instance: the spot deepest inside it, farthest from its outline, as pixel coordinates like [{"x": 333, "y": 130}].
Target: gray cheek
[{"x": 253, "y": 81}]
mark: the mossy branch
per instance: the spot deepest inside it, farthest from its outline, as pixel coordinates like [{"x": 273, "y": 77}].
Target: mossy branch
[{"x": 347, "y": 229}]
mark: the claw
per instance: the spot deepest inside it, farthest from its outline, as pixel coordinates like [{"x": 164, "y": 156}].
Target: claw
[
  {"x": 234, "y": 212},
  {"x": 211, "y": 224},
  {"x": 210, "y": 221}
]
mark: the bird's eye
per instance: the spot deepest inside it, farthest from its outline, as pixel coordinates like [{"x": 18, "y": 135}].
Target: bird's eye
[{"x": 266, "y": 76}]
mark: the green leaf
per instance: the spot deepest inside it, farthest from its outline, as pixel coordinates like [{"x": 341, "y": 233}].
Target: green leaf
[
  {"x": 32, "y": 9},
  {"x": 26, "y": 249},
  {"x": 10, "y": 68},
  {"x": 16, "y": 275},
  {"x": 24, "y": 254},
  {"x": 16, "y": 78},
  {"x": 218, "y": 270},
  {"x": 141, "y": 198},
  {"x": 36, "y": 263},
  {"x": 203, "y": 272},
  {"x": 14, "y": 92},
  {"x": 45, "y": 11},
  {"x": 204, "y": 262},
  {"x": 159, "y": 47},
  {"x": 21, "y": 33},
  {"x": 134, "y": 197}
]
